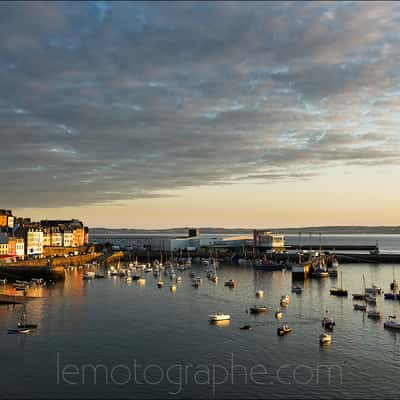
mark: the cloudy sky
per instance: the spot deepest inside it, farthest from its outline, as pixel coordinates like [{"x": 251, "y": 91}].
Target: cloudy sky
[{"x": 206, "y": 114}]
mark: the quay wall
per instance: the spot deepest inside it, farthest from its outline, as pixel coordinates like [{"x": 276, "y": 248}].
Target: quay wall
[{"x": 40, "y": 268}]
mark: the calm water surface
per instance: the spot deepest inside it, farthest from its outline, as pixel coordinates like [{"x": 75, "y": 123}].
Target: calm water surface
[{"x": 151, "y": 343}]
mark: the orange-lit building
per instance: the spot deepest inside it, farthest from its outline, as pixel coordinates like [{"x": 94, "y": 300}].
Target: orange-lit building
[
  {"x": 16, "y": 247},
  {"x": 6, "y": 219},
  {"x": 78, "y": 237}
]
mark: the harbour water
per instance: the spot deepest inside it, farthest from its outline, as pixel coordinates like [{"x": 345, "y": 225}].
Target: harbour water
[{"x": 109, "y": 339}]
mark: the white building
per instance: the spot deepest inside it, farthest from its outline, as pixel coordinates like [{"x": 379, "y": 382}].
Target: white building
[
  {"x": 34, "y": 242},
  {"x": 56, "y": 237},
  {"x": 20, "y": 248},
  {"x": 68, "y": 238},
  {"x": 168, "y": 243}
]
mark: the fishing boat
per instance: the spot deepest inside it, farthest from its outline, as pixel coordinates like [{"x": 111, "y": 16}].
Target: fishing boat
[
  {"x": 325, "y": 338},
  {"x": 258, "y": 309},
  {"x": 219, "y": 317},
  {"x": 285, "y": 300},
  {"x": 284, "y": 329},
  {"x": 339, "y": 291},
  {"x": 328, "y": 323},
  {"x": 231, "y": 283},
  {"x": 268, "y": 265},
  {"x": 391, "y": 323},
  {"x": 360, "y": 307},
  {"x": 260, "y": 293},
  {"x": 320, "y": 273},
  {"x": 297, "y": 289},
  {"x": 320, "y": 270}
]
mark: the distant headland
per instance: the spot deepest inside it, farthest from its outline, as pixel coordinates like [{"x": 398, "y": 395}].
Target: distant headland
[{"x": 325, "y": 230}]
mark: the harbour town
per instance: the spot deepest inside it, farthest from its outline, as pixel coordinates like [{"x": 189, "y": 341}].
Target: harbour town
[{"x": 199, "y": 201}]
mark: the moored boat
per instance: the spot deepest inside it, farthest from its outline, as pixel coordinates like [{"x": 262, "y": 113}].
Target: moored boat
[
  {"x": 257, "y": 309},
  {"x": 260, "y": 293},
  {"x": 231, "y": 283},
  {"x": 360, "y": 307},
  {"x": 89, "y": 275},
  {"x": 219, "y": 317},
  {"x": 391, "y": 323},
  {"x": 278, "y": 314},
  {"x": 339, "y": 291},
  {"x": 328, "y": 323},
  {"x": 325, "y": 338},
  {"x": 375, "y": 315},
  {"x": 285, "y": 300},
  {"x": 297, "y": 289},
  {"x": 284, "y": 329}
]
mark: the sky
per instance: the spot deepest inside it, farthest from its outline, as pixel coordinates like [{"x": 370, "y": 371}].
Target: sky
[{"x": 234, "y": 114}]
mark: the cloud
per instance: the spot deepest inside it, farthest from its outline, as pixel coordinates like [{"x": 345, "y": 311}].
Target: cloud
[{"x": 106, "y": 101}]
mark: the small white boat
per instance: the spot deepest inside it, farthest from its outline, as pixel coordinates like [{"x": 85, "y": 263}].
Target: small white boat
[
  {"x": 89, "y": 275},
  {"x": 128, "y": 279},
  {"x": 219, "y": 317},
  {"x": 178, "y": 279},
  {"x": 260, "y": 293},
  {"x": 172, "y": 288},
  {"x": 3, "y": 281},
  {"x": 141, "y": 281},
  {"x": 278, "y": 314},
  {"x": 325, "y": 338}
]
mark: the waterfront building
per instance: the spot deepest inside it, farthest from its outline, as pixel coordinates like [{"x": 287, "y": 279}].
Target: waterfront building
[
  {"x": 56, "y": 237},
  {"x": 267, "y": 239},
  {"x": 79, "y": 236},
  {"x": 16, "y": 247},
  {"x": 172, "y": 243},
  {"x": 3, "y": 244},
  {"x": 46, "y": 237},
  {"x": 68, "y": 237},
  {"x": 34, "y": 241},
  {"x": 6, "y": 219},
  {"x": 86, "y": 236}
]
